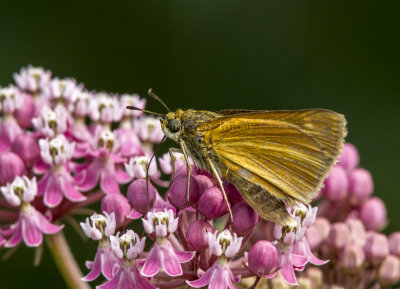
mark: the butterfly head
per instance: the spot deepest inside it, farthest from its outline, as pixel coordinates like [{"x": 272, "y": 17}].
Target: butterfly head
[{"x": 171, "y": 125}]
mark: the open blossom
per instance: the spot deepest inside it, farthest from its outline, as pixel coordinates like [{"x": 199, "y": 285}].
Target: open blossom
[
  {"x": 32, "y": 79},
  {"x": 137, "y": 167},
  {"x": 51, "y": 122},
  {"x": 60, "y": 91},
  {"x": 104, "y": 166},
  {"x": 126, "y": 274},
  {"x": 163, "y": 254},
  {"x": 10, "y": 99},
  {"x": 105, "y": 109},
  {"x": 219, "y": 275},
  {"x": 149, "y": 129},
  {"x": 31, "y": 224},
  {"x": 100, "y": 227},
  {"x": 132, "y": 100},
  {"x": 57, "y": 181}
]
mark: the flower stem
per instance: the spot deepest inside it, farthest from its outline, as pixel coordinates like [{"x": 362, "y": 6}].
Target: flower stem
[{"x": 65, "y": 261}]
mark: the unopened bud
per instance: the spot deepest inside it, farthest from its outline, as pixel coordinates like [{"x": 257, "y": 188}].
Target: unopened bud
[
  {"x": 117, "y": 204},
  {"x": 177, "y": 194},
  {"x": 197, "y": 234},
  {"x": 138, "y": 197}
]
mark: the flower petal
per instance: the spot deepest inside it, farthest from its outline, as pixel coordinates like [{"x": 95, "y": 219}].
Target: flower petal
[
  {"x": 298, "y": 260},
  {"x": 53, "y": 193},
  {"x": 121, "y": 176},
  {"x": 287, "y": 273},
  {"x": 89, "y": 177},
  {"x": 16, "y": 237},
  {"x": 96, "y": 268},
  {"x": 107, "y": 262},
  {"x": 30, "y": 233},
  {"x": 170, "y": 261},
  {"x": 45, "y": 226},
  {"x": 42, "y": 184},
  {"x": 220, "y": 279},
  {"x": 153, "y": 262},
  {"x": 108, "y": 183},
  {"x": 127, "y": 281},
  {"x": 113, "y": 283},
  {"x": 70, "y": 192},
  {"x": 203, "y": 280},
  {"x": 184, "y": 256},
  {"x": 141, "y": 282}
]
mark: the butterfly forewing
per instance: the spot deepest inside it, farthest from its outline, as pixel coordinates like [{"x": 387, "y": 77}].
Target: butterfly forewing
[{"x": 289, "y": 153}]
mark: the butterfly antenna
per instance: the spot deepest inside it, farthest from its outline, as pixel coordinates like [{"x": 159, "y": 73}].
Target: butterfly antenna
[
  {"x": 147, "y": 172},
  {"x": 153, "y": 95},
  {"x": 144, "y": 110}
]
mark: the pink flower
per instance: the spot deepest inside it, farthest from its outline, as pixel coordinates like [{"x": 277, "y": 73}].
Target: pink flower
[
  {"x": 137, "y": 166},
  {"x": 166, "y": 163},
  {"x": 100, "y": 227},
  {"x": 105, "y": 109},
  {"x": 60, "y": 91},
  {"x": 31, "y": 224},
  {"x": 126, "y": 274},
  {"x": 57, "y": 181},
  {"x": 10, "y": 99},
  {"x": 132, "y": 100},
  {"x": 149, "y": 129},
  {"x": 103, "y": 167},
  {"x": 163, "y": 254},
  {"x": 219, "y": 275},
  {"x": 32, "y": 79},
  {"x": 130, "y": 144},
  {"x": 51, "y": 123}
]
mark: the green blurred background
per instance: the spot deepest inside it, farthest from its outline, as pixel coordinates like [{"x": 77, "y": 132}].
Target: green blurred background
[{"x": 341, "y": 55}]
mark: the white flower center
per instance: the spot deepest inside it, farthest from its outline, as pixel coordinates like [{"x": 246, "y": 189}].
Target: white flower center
[
  {"x": 106, "y": 140},
  {"x": 18, "y": 186}
]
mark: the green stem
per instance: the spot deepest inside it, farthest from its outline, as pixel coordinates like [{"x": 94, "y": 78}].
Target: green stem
[{"x": 65, "y": 261}]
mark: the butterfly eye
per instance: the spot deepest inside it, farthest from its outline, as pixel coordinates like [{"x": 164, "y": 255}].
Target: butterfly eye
[{"x": 174, "y": 125}]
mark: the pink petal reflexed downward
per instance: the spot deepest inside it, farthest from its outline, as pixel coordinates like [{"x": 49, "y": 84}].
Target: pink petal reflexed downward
[
  {"x": 108, "y": 261},
  {"x": 42, "y": 184},
  {"x": 220, "y": 279},
  {"x": 204, "y": 280},
  {"x": 127, "y": 281},
  {"x": 287, "y": 273},
  {"x": 108, "y": 183},
  {"x": 298, "y": 260},
  {"x": 185, "y": 256},
  {"x": 53, "y": 193},
  {"x": 153, "y": 262},
  {"x": 141, "y": 282},
  {"x": 16, "y": 236},
  {"x": 113, "y": 283},
  {"x": 70, "y": 192},
  {"x": 95, "y": 269},
  {"x": 121, "y": 176},
  {"x": 40, "y": 167},
  {"x": 45, "y": 226},
  {"x": 30, "y": 233},
  {"x": 314, "y": 260},
  {"x": 170, "y": 261},
  {"x": 89, "y": 177},
  {"x": 133, "y": 215}
]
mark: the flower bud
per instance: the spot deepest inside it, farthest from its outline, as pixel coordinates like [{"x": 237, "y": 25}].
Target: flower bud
[
  {"x": 244, "y": 218},
  {"x": 117, "y": 204},
  {"x": 339, "y": 236},
  {"x": 212, "y": 203},
  {"x": 394, "y": 244},
  {"x": 360, "y": 186},
  {"x": 26, "y": 112},
  {"x": 177, "y": 193},
  {"x": 204, "y": 183},
  {"x": 27, "y": 147},
  {"x": 352, "y": 258},
  {"x": 323, "y": 226},
  {"x": 349, "y": 159},
  {"x": 336, "y": 184},
  {"x": 357, "y": 230},
  {"x": 197, "y": 234},
  {"x": 376, "y": 248},
  {"x": 233, "y": 194},
  {"x": 263, "y": 258},
  {"x": 373, "y": 214},
  {"x": 11, "y": 166},
  {"x": 314, "y": 238},
  {"x": 389, "y": 271},
  {"x": 137, "y": 195}
]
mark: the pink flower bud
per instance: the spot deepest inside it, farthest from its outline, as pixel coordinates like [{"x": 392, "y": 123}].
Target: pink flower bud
[
  {"x": 244, "y": 218},
  {"x": 352, "y": 258},
  {"x": 349, "y": 159},
  {"x": 373, "y": 214},
  {"x": 177, "y": 194},
  {"x": 394, "y": 244},
  {"x": 323, "y": 226},
  {"x": 376, "y": 248},
  {"x": 233, "y": 194},
  {"x": 357, "y": 230},
  {"x": 339, "y": 236},
  {"x": 314, "y": 238},
  {"x": 11, "y": 166},
  {"x": 26, "y": 112},
  {"x": 197, "y": 234},
  {"x": 27, "y": 147},
  {"x": 360, "y": 186},
  {"x": 263, "y": 258},
  {"x": 117, "y": 204},
  {"x": 212, "y": 203},
  {"x": 336, "y": 184},
  {"x": 137, "y": 195},
  {"x": 389, "y": 271},
  {"x": 204, "y": 183}
]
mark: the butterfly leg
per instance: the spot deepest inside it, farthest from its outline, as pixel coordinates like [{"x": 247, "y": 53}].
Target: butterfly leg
[
  {"x": 188, "y": 166},
  {"x": 171, "y": 152},
  {"x": 216, "y": 175}
]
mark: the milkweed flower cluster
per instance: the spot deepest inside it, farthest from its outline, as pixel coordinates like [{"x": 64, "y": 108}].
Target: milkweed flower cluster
[{"x": 64, "y": 148}]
